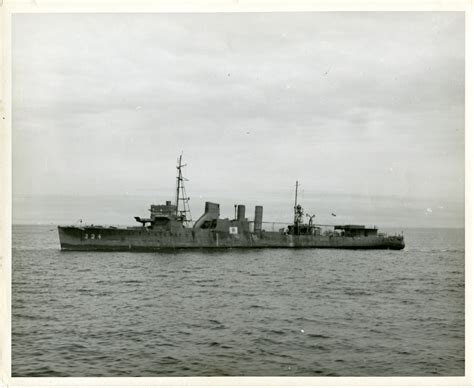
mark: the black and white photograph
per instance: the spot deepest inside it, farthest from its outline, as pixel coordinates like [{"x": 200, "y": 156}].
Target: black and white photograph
[{"x": 261, "y": 194}]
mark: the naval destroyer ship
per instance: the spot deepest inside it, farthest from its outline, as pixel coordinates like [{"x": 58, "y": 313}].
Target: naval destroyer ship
[{"x": 170, "y": 227}]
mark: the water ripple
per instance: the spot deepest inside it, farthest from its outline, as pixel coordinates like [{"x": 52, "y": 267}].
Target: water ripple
[{"x": 251, "y": 313}]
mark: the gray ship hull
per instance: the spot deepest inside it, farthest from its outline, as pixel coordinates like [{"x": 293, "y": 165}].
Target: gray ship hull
[
  {"x": 168, "y": 227},
  {"x": 96, "y": 238}
]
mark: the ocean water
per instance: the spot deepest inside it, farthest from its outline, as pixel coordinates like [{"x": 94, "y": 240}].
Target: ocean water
[{"x": 278, "y": 312}]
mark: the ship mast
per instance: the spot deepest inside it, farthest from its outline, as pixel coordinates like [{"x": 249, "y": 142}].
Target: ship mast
[
  {"x": 181, "y": 197},
  {"x": 296, "y": 204}
]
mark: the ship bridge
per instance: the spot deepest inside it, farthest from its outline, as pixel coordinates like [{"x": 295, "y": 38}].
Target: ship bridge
[
  {"x": 166, "y": 210},
  {"x": 160, "y": 215}
]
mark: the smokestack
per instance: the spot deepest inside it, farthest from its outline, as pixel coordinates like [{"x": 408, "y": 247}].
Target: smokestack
[
  {"x": 241, "y": 213},
  {"x": 211, "y": 212},
  {"x": 257, "y": 227}
]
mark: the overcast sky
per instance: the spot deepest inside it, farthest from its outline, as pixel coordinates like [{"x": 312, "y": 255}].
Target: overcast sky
[{"x": 361, "y": 108}]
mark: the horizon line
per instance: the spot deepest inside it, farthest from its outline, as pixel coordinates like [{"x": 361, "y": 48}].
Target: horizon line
[{"x": 269, "y": 222}]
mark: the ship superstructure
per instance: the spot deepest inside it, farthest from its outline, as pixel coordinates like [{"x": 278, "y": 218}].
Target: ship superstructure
[{"x": 169, "y": 227}]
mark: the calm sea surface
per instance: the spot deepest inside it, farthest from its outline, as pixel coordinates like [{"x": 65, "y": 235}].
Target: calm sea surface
[{"x": 254, "y": 313}]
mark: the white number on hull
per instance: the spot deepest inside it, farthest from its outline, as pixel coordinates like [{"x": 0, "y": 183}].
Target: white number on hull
[{"x": 86, "y": 236}]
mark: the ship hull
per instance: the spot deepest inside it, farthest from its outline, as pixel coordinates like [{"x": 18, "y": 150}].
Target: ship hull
[{"x": 93, "y": 238}]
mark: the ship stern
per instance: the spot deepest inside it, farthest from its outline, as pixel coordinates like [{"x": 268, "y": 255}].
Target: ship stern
[{"x": 395, "y": 242}]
